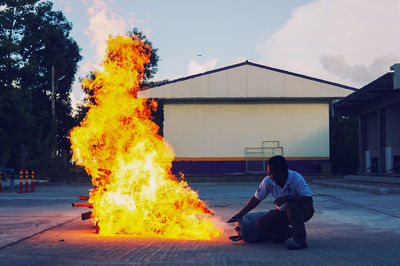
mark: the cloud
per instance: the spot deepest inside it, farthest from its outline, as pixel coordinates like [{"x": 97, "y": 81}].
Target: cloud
[
  {"x": 350, "y": 42},
  {"x": 361, "y": 74},
  {"x": 192, "y": 69},
  {"x": 195, "y": 67},
  {"x": 165, "y": 76},
  {"x": 238, "y": 60}
]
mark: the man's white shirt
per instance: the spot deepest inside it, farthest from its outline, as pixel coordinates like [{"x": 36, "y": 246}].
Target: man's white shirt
[{"x": 295, "y": 186}]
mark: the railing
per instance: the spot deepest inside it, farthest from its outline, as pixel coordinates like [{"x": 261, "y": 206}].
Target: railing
[
  {"x": 256, "y": 157},
  {"x": 387, "y": 172},
  {"x": 396, "y": 166}
]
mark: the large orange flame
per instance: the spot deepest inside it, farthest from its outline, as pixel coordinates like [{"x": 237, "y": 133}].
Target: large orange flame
[{"x": 117, "y": 143}]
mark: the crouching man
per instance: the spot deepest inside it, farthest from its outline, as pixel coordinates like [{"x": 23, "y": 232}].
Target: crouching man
[{"x": 293, "y": 202}]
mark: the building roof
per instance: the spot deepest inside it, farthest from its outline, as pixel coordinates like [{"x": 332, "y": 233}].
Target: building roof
[
  {"x": 247, "y": 80},
  {"x": 376, "y": 94}
]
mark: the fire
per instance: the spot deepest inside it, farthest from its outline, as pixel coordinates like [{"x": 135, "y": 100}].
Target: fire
[{"x": 118, "y": 145}]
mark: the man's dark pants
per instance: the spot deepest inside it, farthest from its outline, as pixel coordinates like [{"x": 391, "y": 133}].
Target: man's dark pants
[{"x": 276, "y": 223}]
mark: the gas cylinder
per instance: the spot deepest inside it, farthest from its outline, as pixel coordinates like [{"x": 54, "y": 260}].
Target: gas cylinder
[{"x": 247, "y": 230}]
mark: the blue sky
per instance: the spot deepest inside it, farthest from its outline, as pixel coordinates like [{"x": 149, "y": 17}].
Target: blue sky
[{"x": 347, "y": 41}]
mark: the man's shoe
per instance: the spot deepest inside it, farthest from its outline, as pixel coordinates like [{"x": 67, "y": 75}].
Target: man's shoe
[{"x": 296, "y": 245}]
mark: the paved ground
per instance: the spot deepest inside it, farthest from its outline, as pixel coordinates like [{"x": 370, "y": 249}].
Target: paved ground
[{"x": 349, "y": 228}]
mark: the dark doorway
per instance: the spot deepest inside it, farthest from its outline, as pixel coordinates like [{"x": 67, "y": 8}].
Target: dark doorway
[
  {"x": 374, "y": 164},
  {"x": 396, "y": 164}
]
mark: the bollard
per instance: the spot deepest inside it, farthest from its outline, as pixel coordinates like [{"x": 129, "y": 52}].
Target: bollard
[
  {"x": 21, "y": 173},
  {"x": 26, "y": 181},
  {"x": 33, "y": 181}
]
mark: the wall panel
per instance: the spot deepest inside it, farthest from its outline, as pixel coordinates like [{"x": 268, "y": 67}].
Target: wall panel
[{"x": 224, "y": 130}]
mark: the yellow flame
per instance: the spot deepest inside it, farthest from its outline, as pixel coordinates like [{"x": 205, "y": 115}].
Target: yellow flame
[{"x": 118, "y": 144}]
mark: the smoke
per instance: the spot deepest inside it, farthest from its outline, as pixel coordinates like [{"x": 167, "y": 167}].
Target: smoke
[
  {"x": 103, "y": 19},
  {"x": 103, "y": 22}
]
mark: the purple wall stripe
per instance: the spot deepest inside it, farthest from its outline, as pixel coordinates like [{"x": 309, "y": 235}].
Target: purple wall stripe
[{"x": 229, "y": 167}]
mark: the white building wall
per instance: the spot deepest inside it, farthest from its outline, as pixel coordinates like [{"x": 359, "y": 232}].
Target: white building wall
[
  {"x": 217, "y": 85},
  {"x": 257, "y": 82},
  {"x": 224, "y": 130},
  {"x": 275, "y": 84},
  {"x": 200, "y": 86},
  {"x": 237, "y": 82}
]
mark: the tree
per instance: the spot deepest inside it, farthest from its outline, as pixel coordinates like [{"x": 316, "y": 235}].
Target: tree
[
  {"x": 33, "y": 38},
  {"x": 344, "y": 144},
  {"x": 14, "y": 101},
  {"x": 12, "y": 28},
  {"x": 150, "y": 69},
  {"x": 47, "y": 43}
]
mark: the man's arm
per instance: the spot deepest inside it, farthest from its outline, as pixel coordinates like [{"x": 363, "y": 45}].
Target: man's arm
[
  {"x": 253, "y": 202},
  {"x": 299, "y": 199}
]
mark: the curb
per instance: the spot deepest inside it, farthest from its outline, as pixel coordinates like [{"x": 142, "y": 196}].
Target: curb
[
  {"x": 357, "y": 187},
  {"x": 37, "y": 233}
]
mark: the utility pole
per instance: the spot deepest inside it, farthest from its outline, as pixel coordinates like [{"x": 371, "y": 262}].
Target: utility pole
[
  {"x": 53, "y": 116},
  {"x": 53, "y": 97}
]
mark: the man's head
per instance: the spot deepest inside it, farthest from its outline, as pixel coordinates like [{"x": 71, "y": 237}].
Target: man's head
[{"x": 278, "y": 169}]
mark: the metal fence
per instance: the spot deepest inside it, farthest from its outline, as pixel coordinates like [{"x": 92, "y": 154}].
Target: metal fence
[{"x": 256, "y": 157}]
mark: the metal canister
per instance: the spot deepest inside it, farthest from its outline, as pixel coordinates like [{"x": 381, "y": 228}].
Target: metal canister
[{"x": 247, "y": 230}]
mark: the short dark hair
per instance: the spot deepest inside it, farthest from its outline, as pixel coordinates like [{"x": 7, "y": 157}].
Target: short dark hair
[{"x": 278, "y": 163}]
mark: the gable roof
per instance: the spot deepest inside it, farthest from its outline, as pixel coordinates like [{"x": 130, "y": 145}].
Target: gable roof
[
  {"x": 256, "y": 65},
  {"x": 248, "y": 80}
]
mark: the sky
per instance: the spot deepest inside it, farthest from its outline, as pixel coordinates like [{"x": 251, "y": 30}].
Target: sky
[{"x": 351, "y": 42}]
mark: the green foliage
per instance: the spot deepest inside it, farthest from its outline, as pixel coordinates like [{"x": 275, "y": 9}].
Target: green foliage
[
  {"x": 33, "y": 38},
  {"x": 344, "y": 144},
  {"x": 80, "y": 113},
  {"x": 148, "y": 84}
]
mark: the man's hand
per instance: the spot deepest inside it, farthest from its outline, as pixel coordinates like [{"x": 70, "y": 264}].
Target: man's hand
[
  {"x": 281, "y": 200},
  {"x": 235, "y": 218},
  {"x": 253, "y": 202}
]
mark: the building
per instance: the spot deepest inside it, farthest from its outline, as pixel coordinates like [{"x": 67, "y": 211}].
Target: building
[
  {"x": 377, "y": 105},
  {"x": 229, "y": 119}
]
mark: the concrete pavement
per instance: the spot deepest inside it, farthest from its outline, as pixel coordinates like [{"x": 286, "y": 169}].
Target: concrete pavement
[{"x": 349, "y": 227}]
